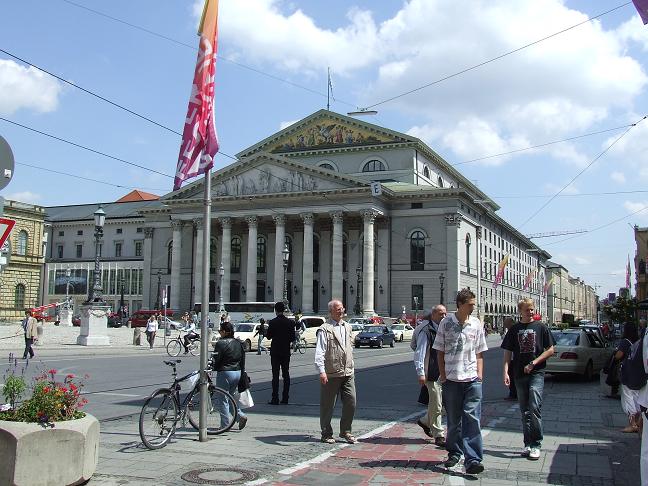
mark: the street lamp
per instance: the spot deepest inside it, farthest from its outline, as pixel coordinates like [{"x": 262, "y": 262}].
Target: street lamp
[
  {"x": 285, "y": 254},
  {"x": 95, "y": 294},
  {"x": 221, "y": 307},
  {"x": 356, "y": 308},
  {"x": 68, "y": 274},
  {"x": 157, "y": 300},
  {"x": 441, "y": 280},
  {"x": 415, "y": 310}
]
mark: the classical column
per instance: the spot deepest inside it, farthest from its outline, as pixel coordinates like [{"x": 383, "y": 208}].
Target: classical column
[
  {"x": 368, "y": 218},
  {"x": 175, "y": 264},
  {"x": 280, "y": 237},
  {"x": 146, "y": 274},
  {"x": 251, "y": 284},
  {"x": 226, "y": 257},
  {"x": 307, "y": 270},
  {"x": 197, "y": 263},
  {"x": 338, "y": 253}
]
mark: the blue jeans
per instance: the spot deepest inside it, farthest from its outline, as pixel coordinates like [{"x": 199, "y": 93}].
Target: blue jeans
[
  {"x": 228, "y": 380},
  {"x": 462, "y": 401},
  {"x": 529, "y": 390}
]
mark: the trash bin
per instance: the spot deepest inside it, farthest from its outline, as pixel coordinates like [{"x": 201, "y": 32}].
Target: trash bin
[
  {"x": 137, "y": 336},
  {"x": 39, "y": 333}
]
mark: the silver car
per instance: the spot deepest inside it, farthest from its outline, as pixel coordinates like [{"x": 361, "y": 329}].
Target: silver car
[{"x": 578, "y": 351}]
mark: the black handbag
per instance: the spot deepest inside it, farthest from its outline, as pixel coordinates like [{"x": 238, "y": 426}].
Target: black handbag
[{"x": 244, "y": 380}]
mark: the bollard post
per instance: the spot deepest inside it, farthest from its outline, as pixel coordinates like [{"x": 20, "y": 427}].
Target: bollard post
[
  {"x": 39, "y": 333},
  {"x": 137, "y": 336}
]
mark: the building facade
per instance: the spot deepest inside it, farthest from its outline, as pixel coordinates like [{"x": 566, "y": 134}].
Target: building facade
[
  {"x": 641, "y": 256},
  {"x": 20, "y": 278},
  {"x": 569, "y": 296}
]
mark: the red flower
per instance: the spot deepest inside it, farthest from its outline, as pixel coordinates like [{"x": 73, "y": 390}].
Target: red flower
[
  {"x": 63, "y": 389},
  {"x": 46, "y": 389},
  {"x": 69, "y": 377},
  {"x": 73, "y": 387},
  {"x": 52, "y": 372}
]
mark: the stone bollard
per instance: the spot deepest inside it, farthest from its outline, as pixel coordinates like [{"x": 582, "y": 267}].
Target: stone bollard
[
  {"x": 137, "y": 336},
  {"x": 39, "y": 333}
]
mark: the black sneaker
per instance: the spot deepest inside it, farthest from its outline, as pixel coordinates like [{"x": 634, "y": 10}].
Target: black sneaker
[
  {"x": 273, "y": 402},
  {"x": 452, "y": 461},
  {"x": 475, "y": 468},
  {"x": 425, "y": 428}
]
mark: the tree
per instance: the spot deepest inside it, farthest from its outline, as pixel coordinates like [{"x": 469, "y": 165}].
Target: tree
[{"x": 623, "y": 310}]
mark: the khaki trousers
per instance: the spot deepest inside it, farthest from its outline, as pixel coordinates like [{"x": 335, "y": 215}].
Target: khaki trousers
[
  {"x": 345, "y": 386},
  {"x": 433, "y": 416}
]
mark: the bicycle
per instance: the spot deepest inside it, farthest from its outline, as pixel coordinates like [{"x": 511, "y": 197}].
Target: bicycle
[
  {"x": 300, "y": 345},
  {"x": 176, "y": 345},
  {"x": 162, "y": 410}
]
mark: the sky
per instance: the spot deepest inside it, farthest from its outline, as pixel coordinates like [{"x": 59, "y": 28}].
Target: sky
[{"x": 588, "y": 84}]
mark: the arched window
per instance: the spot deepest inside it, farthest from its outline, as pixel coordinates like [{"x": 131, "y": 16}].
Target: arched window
[
  {"x": 235, "y": 266},
  {"x": 288, "y": 243},
  {"x": 169, "y": 256},
  {"x": 327, "y": 166},
  {"x": 22, "y": 243},
  {"x": 440, "y": 181},
  {"x": 426, "y": 172},
  {"x": 417, "y": 251},
  {"x": 373, "y": 166},
  {"x": 261, "y": 254},
  {"x": 19, "y": 297},
  {"x": 468, "y": 253},
  {"x": 345, "y": 253},
  {"x": 316, "y": 253}
]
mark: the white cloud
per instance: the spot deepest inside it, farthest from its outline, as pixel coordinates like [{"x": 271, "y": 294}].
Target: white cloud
[
  {"x": 618, "y": 177},
  {"x": 27, "y": 88},
  {"x": 24, "y": 197},
  {"x": 286, "y": 124},
  {"x": 634, "y": 30},
  {"x": 571, "y": 259},
  {"x": 638, "y": 207}
]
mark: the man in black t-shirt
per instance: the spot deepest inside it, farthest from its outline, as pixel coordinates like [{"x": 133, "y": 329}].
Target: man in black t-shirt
[{"x": 531, "y": 344}]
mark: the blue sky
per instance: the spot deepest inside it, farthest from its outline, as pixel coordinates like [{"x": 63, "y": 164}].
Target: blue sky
[{"x": 589, "y": 79}]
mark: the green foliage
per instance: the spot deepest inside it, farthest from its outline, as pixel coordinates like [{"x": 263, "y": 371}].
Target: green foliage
[
  {"x": 14, "y": 388},
  {"x": 623, "y": 310}
]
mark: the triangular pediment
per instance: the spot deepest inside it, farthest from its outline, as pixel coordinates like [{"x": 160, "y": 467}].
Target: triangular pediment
[
  {"x": 264, "y": 174},
  {"x": 326, "y": 130}
]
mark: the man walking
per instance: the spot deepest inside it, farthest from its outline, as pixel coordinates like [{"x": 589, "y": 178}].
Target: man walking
[
  {"x": 427, "y": 370},
  {"x": 261, "y": 332},
  {"x": 30, "y": 330},
  {"x": 531, "y": 344},
  {"x": 334, "y": 363},
  {"x": 460, "y": 343},
  {"x": 282, "y": 332}
]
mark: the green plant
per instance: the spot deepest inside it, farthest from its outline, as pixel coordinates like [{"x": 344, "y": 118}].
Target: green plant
[{"x": 13, "y": 389}]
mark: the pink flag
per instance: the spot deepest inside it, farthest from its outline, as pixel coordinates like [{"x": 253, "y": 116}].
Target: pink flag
[
  {"x": 500, "y": 271},
  {"x": 527, "y": 280},
  {"x": 199, "y": 140},
  {"x": 642, "y": 8}
]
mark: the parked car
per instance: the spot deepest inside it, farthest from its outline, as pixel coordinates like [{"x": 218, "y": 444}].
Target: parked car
[
  {"x": 403, "y": 332},
  {"x": 313, "y": 323},
  {"x": 596, "y": 330},
  {"x": 578, "y": 351},
  {"x": 171, "y": 324},
  {"x": 245, "y": 332},
  {"x": 141, "y": 317},
  {"x": 375, "y": 336},
  {"x": 363, "y": 321},
  {"x": 356, "y": 329}
]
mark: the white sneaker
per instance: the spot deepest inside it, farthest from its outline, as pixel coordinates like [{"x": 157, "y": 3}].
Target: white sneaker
[
  {"x": 534, "y": 454},
  {"x": 526, "y": 451}
]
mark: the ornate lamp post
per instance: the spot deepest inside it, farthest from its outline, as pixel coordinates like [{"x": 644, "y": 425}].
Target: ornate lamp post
[
  {"x": 441, "y": 280},
  {"x": 95, "y": 293},
  {"x": 356, "y": 308},
  {"x": 415, "y": 310},
  {"x": 68, "y": 274},
  {"x": 221, "y": 307},
  {"x": 285, "y": 254},
  {"x": 157, "y": 299}
]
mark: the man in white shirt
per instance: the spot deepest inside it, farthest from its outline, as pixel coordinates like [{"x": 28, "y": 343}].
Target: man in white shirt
[
  {"x": 460, "y": 342},
  {"x": 334, "y": 363}
]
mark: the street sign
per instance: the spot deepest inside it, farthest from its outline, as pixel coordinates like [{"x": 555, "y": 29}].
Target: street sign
[
  {"x": 6, "y": 225},
  {"x": 6, "y": 163}
]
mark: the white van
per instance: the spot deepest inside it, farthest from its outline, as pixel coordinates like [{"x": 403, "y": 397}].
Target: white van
[{"x": 313, "y": 323}]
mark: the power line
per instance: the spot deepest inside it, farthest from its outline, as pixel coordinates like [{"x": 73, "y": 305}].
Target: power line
[
  {"x": 463, "y": 71},
  {"x": 581, "y": 172},
  {"x": 608, "y": 193}
]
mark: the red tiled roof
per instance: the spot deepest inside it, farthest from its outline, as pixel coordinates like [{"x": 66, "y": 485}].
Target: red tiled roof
[{"x": 138, "y": 196}]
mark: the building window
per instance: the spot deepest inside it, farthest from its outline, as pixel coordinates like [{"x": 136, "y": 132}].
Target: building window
[
  {"x": 79, "y": 232},
  {"x": 288, "y": 243},
  {"x": 61, "y": 233},
  {"x": 119, "y": 231},
  {"x": 261, "y": 255},
  {"x": 19, "y": 297},
  {"x": 118, "y": 249},
  {"x": 169, "y": 256},
  {"x": 327, "y": 166},
  {"x": 139, "y": 230},
  {"x": 426, "y": 172},
  {"x": 417, "y": 291},
  {"x": 417, "y": 251},
  {"x": 236, "y": 255},
  {"x": 22, "y": 243},
  {"x": 440, "y": 181},
  {"x": 79, "y": 251},
  {"x": 316, "y": 253},
  {"x": 213, "y": 255},
  {"x": 373, "y": 166},
  {"x": 416, "y": 205},
  {"x": 59, "y": 251},
  {"x": 468, "y": 253},
  {"x": 138, "y": 248}
]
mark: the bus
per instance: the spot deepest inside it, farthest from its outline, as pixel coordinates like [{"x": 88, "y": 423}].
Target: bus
[{"x": 239, "y": 311}]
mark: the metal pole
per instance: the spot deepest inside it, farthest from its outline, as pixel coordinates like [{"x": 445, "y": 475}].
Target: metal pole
[
  {"x": 95, "y": 291},
  {"x": 285, "y": 287},
  {"x": 221, "y": 306},
  {"x": 204, "y": 315}
]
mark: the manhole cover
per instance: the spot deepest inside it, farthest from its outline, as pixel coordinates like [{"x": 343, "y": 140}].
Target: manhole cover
[{"x": 219, "y": 475}]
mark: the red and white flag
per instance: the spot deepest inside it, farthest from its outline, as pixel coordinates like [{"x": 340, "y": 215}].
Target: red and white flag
[
  {"x": 500, "y": 270},
  {"x": 528, "y": 279},
  {"x": 642, "y": 8},
  {"x": 199, "y": 140}
]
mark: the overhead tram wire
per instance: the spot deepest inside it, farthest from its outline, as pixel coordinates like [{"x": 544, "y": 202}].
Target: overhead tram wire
[
  {"x": 583, "y": 171},
  {"x": 193, "y": 48},
  {"x": 497, "y": 58}
]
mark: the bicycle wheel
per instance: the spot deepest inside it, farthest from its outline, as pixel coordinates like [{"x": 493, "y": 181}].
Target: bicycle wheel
[
  {"x": 194, "y": 348},
  {"x": 174, "y": 347},
  {"x": 158, "y": 419},
  {"x": 302, "y": 345},
  {"x": 222, "y": 411}
]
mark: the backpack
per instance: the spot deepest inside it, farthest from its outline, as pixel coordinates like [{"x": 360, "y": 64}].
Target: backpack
[{"x": 633, "y": 373}]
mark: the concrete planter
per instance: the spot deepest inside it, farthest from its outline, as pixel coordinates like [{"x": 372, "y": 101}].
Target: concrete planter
[{"x": 66, "y": 454}]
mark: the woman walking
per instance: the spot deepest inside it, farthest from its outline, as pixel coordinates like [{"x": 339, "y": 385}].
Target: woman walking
[
  {"x": 629, "y": 397},
  {"x": 228, "y": 361},
  {"x": 151, "y": 329}
]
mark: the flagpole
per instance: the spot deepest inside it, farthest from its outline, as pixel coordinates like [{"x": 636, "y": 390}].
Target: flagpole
[{"x": 204, "y": 314}]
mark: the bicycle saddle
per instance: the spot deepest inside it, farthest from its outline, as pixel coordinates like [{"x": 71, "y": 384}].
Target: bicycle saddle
[{"x": 172, "y": 363}]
